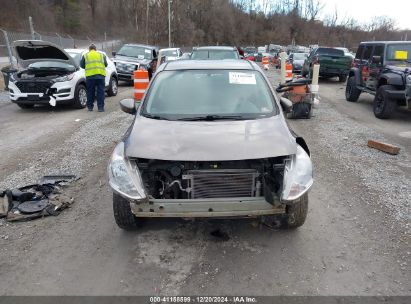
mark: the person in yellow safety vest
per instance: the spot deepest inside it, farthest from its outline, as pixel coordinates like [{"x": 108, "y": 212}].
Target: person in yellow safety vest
[{"x": 94, "y": 63}]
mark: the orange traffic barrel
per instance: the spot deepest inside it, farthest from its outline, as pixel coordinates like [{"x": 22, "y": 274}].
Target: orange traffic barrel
[
  {"x": 288, "y": 71},
  {"x": 140, "y": 83},
  {"x": 266, "y": 63}
]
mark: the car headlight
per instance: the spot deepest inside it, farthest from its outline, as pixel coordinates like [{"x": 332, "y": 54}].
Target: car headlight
[
  {"x": 125, "y": 178},
  {"x": 298, "y": 176},
  {"x": 64, "y": 78}
]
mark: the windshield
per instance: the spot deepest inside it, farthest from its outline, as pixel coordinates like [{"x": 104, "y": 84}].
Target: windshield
[
  {"x": 299, "y": 56},
  {"x": 330, "y": 52},
  {"x": 203, "y": 93},
  {"x": 135, "y": 51},
  {"x": 399, "y": 52},
  {"x": 51, "y": 65},
  {"x": 169, "y": 53},
  {"x": 214, "y": 54}
]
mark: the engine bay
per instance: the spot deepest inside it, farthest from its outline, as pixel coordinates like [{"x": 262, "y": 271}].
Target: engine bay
[
  {"x": 221, "y": 179},
  {"x": 44, "y": 74}
]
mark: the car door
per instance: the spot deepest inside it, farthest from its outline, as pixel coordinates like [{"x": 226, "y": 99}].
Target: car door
[
  {"x": 374, "y": 69},
  {"x": 365, "y": 63},
  {"x": 307, "y": 61}
]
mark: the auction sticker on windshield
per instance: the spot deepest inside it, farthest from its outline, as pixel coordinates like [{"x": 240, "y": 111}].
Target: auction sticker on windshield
[{"x": 241, "y": 78}]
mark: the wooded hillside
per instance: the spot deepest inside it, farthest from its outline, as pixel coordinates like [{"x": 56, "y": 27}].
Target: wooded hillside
[{"x": 198, "y": 22}]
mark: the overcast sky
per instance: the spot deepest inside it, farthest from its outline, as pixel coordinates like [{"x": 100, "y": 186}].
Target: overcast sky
[{"x": 364, "y": 10}]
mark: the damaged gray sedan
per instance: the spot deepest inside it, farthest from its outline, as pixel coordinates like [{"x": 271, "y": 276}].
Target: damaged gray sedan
[{"x": 209, "y": 140}]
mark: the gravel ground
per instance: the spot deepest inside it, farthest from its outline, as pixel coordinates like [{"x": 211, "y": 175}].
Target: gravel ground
[
  {"x": 386, "y": 176},
  {"x": 351, "y": 243},
  {"x": 4, "y": 97},
  {"x": 78, "y": 150}
]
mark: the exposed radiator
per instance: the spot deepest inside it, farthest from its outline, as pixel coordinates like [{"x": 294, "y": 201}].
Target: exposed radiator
[{"x": 223, "y": 183}]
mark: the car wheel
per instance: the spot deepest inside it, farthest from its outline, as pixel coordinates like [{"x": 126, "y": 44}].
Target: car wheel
[
  {"x": 80, "y": 97},
  {"x": 383, "y": 105},
  {"x": 352, "y": 93},
  {"x": 296, "y": 213},
  {"x": 123, "y": 216},
  {"x": 112, "y": 87},
  {"x": 25, "y": 106},
  {"x": 342, "y": 78}
]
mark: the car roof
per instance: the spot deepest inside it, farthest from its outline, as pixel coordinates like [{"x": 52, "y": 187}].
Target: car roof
[
  {"x": 142, "y": 45},
  {"x": 81, "y": 51},
  {"x": 225, "y": 64},
  {"x": 385, "y": 42},
  {"x": 169, "y": 49},
  {"x": 222, "y": 48}
]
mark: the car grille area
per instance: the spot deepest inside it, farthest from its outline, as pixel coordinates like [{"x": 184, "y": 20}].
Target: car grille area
[
  {"x": 33, "y": 87},
  {"x": 223, "y": 183}
]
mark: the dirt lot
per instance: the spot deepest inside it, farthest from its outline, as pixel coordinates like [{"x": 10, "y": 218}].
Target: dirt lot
[{"x": 356, "y": 240}]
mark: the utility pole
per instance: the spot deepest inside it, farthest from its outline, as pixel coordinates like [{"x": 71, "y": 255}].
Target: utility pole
[
  {"x": 147, "y": 21},
  {"x": 169, "y": 23},
  {"x": 33, "y": 36}
]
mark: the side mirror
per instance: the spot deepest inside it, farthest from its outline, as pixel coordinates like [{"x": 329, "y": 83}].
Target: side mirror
[
  {"x": 286, "y": 104},
  {"x": 376, "y": 59},
  {"x": 114, "y": 54},
  {"x": 129, "y": 106}
]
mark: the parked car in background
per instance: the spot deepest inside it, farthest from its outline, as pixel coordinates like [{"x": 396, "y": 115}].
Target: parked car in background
[
  {"x": 185, "y": 56},
  {"x": 250, "y": 49},
  {"x": 132, "y": 57},
  {"x": 215, "y": 52},
  {"x": 297, "y": 60},
  {"x": 171, "y": 54},
  {"x": 383, "y": 69},
  {"x": 111, "y": 81},
  {"x": 333, "y": 62},
  {"x": 49, "y": 74},
  {"x": 190, "y": 155},
  {"x": 249, "y": 56},
  {"x": 259, "y": 56}
]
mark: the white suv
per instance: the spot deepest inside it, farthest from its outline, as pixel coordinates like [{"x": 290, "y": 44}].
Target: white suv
[
  {"x": 111, "y": 80},
  {"x": 50, "y": 76}
]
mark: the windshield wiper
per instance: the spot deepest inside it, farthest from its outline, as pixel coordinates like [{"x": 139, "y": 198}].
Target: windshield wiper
[
  {"x": 212, "y": 118},
  {"x": 155, "y": 117}
]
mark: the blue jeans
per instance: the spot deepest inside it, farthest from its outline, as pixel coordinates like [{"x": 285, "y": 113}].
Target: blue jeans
[{"x": 92, "y": 84}]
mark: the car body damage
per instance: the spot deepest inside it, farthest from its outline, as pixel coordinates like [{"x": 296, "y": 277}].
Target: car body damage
[
  {"x": 197, "y": 141},
  {"x": 179, "y": 164}
]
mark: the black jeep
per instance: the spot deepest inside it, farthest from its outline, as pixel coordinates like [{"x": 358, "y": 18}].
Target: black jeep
[{"x": 382, "y": 68}]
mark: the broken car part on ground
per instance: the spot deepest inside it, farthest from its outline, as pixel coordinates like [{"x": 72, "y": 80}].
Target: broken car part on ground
[{"x": 38, "y": 200}]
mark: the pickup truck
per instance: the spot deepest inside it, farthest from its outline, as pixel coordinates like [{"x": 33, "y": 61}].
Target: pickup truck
[{"x": 332, "y": 61}]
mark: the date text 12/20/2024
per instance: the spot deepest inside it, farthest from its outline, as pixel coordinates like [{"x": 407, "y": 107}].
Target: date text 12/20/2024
[{"x": 203, "y": 299}]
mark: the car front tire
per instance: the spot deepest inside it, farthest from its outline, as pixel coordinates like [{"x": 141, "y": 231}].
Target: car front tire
[
  {"x": 352, "y": 93},
  {"x": 80, "y": 97},
  {"x": 112, "y": 86},
  {"x": 123, "y": 216},
  {"x": 296, "y": 213},
  {"x": 342, "y": 78},
  {"x": 383, "y": 104}
]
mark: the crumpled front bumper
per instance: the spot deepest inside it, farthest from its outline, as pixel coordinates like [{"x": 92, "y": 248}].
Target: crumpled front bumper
[
  {"x": 64, "y": 94},
  {"x": 192, "y": 208}
]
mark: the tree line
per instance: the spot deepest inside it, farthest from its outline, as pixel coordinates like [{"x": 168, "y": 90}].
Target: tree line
[{"x": 199, "y": 22}]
